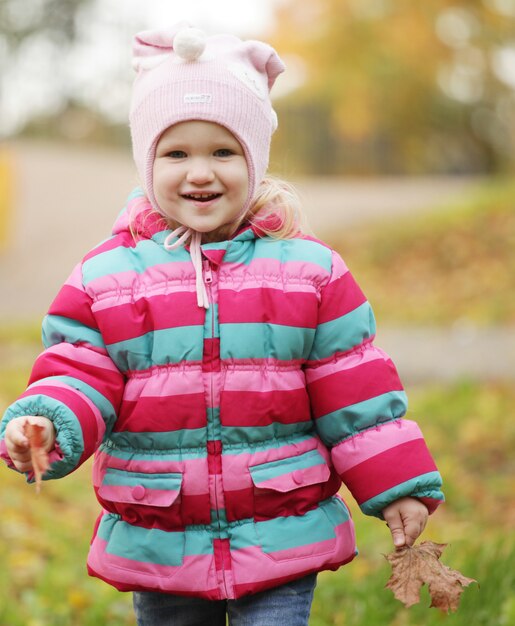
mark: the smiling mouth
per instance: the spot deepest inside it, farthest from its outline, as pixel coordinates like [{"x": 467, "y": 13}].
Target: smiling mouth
[{"x": 201, "y": 197}]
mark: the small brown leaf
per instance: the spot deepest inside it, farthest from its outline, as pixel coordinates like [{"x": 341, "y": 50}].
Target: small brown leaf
[
  {"x": 419, "y": 565},
  {"x": 38, "y": 454}
]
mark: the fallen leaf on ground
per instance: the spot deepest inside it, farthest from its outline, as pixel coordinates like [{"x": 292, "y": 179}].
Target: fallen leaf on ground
[
  {"x": 38, "y": 454},
  {"x": 419, "y": 565}
]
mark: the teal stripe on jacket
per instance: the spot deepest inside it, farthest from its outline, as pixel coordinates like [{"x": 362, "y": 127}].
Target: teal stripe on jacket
[
  {"x": 294, "y": 250},
  {"x": 184, "y": 438},
  {"x": 423, "y": 486},
  {"x": 242, "y": 436},
  {"x": 266, "y": 471},
  {"x": 143, "y": 456},
  {"x": 151, "y": 545},
  {"x": 211, "y": 325},
  {"x": 266, "y": 444},
  {"x": 348, "y": 421},
  {"x": 214, "y": 431},
  {"x": 167, "y": 482},
  {"x": 244, "y": 249},
  {"x": 343, "y": 333},
  {"x": 161, "y": 347},
  {"x": 262, "y": 341},
  {"x": 276, "y": 534},
  {"x": 58, "y": 329},
  {"x": 121, "y": 259}
]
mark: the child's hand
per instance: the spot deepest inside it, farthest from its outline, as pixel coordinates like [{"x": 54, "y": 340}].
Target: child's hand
[
  {"x": 17, "y": 442},
  {"x": 406, "y": 519}
]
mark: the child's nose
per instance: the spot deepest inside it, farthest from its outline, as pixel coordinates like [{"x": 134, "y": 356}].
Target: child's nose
[{"x": 200, "y": 172}]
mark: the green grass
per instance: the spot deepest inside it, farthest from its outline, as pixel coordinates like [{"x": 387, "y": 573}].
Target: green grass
[{"x": 454, "y": 263}]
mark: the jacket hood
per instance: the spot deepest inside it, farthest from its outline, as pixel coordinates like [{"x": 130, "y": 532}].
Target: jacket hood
[{"x": 138, "y": 217}]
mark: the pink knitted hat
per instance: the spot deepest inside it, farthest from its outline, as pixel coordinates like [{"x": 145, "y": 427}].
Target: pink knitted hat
[{"x": 184, "y": 75}]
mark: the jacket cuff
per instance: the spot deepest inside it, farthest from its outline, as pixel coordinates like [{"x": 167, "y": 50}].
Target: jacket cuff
[
  {"x": 388, "y": 462},
  {"x": 69, "y": 448}
]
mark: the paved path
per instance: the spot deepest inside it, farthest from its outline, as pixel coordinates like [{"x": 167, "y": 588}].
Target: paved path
[
  {"x": 462, "y": 352},
  {"x": 60, "y": 213}
]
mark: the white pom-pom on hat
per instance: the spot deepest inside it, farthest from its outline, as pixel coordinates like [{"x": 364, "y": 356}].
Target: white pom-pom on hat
[{"x": 189, "y": 43}]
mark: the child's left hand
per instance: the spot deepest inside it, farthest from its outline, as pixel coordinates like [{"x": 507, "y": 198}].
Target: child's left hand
[{"x": 406, "y": 519}]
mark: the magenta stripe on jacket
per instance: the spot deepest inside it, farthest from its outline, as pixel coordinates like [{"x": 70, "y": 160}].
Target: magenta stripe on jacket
[
  {"x": 75, "y": 304},
  {"x": 260, "y": 408},
  {"x": 351, "y": 386},
  {"x": 388, "y": 469},
  {"x": 129, "y": 320},
  {"x": 163, "y": 414},
  {"x": 94, "y": 369},
  {"x": 340, "y": 297},
  {"x": 272, "y": 306}
]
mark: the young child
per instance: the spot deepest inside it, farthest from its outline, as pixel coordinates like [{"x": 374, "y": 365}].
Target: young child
[{"x": 220, "y": 365}]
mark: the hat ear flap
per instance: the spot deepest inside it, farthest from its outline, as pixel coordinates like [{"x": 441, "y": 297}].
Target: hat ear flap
[
  {"x": 152, "y": 47},
  {"x": 265, "y": 59}
]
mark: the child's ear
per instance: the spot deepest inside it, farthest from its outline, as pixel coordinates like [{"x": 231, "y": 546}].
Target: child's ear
[{"x": 265, "y": 59}]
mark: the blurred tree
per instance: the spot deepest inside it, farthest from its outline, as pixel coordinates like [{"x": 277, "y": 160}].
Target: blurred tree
[
  {"x": 22, "y": 19},
  {"x": 35, "y": 37},
  {"x": 398, "y": 85}
]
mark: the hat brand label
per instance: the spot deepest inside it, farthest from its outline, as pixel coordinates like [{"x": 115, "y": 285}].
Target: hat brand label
[{"x": 197, "y": 98}]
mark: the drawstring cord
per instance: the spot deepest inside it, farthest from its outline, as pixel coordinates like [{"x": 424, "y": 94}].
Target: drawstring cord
[{"x": 196, "y": 257}]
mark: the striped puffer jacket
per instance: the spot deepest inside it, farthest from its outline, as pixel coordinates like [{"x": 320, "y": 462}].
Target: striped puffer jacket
[{"x": 221, "y": 436}]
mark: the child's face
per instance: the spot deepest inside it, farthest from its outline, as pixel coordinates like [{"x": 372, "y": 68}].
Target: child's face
[{"x": 200, "y": 176}]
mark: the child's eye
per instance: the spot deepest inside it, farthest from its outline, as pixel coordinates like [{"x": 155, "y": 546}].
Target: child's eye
[
  {"x": 177, "y": 154},
  {"x": 223, "y": 152}
]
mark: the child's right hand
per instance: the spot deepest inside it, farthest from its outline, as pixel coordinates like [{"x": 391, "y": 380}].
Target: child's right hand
[{"x": 17, "y": 442}]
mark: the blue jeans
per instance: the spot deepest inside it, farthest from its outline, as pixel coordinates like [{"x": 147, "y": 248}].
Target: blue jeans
[{"x": 287, "y": 605}]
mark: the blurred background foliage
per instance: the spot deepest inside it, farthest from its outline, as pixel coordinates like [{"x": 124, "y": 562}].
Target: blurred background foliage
[
  {"x": 453, "y": 265},
  {"x": 374, "y": 86},
  {"x": 398, "y": 86}
]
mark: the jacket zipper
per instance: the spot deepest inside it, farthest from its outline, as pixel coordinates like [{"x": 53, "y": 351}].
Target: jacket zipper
[{"x": 208, "y": 279}]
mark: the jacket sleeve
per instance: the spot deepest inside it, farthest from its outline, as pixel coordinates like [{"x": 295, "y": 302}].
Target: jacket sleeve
[
  {"x": 73, "y": 382},
  {"x": 358, "y": 404}
]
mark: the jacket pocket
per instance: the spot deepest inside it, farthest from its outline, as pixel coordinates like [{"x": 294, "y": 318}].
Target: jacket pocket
[
  {"x": 138, "y": 488},
  {"x": 291, "y": 473},
  {"x": 290, "y": 519}
]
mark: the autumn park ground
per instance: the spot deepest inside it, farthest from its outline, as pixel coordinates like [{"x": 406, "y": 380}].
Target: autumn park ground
[{"x": 437, "y": 261}]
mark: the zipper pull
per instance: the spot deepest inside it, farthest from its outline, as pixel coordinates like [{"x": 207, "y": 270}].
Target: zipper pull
[{"x": 208, "y": 275}]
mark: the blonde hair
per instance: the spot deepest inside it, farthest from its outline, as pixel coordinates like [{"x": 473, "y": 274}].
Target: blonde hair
[{"x": 276, "y": 197}]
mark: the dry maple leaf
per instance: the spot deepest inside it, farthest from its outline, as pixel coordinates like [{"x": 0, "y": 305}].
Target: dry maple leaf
[
  {"x": 419, "y": 565},
  {"x": 38, "y": 454}
]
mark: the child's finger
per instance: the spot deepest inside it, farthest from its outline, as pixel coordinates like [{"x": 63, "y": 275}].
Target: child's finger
[
  {"x": 414, "y": 527},
  {"x": 22, "y": 465},
  {"x": 396, "y": 526},
  {"x": 15, "y": 436},
  {"x": 412, "y": 530}
]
